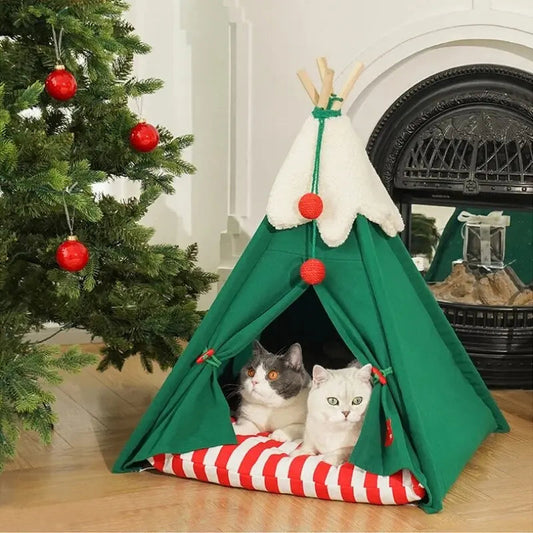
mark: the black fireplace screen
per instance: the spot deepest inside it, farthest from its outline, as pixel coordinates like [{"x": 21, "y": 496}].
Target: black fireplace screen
[
  {"x": 470, "y": 152},
  {"x": 463, "y": 138}
]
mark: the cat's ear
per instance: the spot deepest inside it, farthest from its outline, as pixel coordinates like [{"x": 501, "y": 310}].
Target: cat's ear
[
  {"x": 257, "y": 349},
  {"x": 320, "y": 375},
  {"x": 294, "y": 356},
  {"x": 365, "y": 373}
]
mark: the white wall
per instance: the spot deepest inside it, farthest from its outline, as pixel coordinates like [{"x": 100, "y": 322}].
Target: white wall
[{"x": 190, "y": 53}]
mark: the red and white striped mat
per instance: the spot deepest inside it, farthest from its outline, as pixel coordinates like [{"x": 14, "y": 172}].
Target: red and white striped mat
[{"x": 260, "y": 463}]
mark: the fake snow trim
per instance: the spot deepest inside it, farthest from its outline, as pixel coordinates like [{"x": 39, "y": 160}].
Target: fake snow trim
[
  {"x": 348, "y": 184},
  {"x": 260, "y": 463}
]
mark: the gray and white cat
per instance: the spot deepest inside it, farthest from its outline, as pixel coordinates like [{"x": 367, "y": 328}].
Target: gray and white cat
[
  {"x": 335, "y": 411},
  {"x": 274, "y": 390}
]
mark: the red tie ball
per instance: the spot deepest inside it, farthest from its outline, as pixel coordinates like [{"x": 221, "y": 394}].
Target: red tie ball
[
  {"x": 310, "y": 205},
  {"x": 313, "y": 271}
]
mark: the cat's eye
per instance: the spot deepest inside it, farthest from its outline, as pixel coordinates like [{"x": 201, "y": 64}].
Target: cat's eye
[
  {"x": 333, "y": 401},
  {"x": 251, "y": 372},
  {"x": 273, "y": 375},
  {"x": 357, "y": 400}
]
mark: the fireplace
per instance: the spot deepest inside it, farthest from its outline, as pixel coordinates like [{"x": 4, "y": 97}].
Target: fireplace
[{"x": 463, "y": 138}]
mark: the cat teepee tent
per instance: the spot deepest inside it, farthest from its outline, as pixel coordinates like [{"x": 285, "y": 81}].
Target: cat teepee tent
[{"x": 330, "y": 231}]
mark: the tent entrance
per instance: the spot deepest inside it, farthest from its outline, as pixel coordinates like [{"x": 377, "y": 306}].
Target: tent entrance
[{"x": 305, "y": 321}]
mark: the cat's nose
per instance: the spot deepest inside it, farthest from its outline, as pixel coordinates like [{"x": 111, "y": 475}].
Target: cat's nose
[
  {"x": 345, "y": 413},
  {"x": 254, "y": 382}
]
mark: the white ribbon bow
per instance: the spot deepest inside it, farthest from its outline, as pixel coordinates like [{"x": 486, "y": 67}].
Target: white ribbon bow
[{"x": 494, "y": 218}]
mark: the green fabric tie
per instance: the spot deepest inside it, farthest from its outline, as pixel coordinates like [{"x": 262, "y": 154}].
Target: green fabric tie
[
  {"x": 213, "y": 361},
  {"x": 321, "y": 115},
  {"x": 208, "y": 356},
  {"x": 382, "y": 376}
]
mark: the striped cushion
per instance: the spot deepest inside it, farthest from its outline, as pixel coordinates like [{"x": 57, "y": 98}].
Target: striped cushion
[{"x": 260, "y": 463}]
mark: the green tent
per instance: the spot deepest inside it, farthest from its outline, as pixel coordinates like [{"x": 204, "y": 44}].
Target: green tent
[
  {"x": 372, "y": 297},
  {"x": 439, "y": 407}
]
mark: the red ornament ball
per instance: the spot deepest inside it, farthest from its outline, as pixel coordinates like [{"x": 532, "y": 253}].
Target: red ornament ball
[
  {"x": 310, "y": 205},
  {"x": 313, "y": 271},
  {"x": 72, "y": 255},
  {"x": 144, "y": 137},
  {"x": 61, "y": 84}
]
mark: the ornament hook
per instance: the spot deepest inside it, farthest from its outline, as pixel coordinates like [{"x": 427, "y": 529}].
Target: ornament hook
[
  {"x": 70, "y": 219},
  {"x": 58, "y": 43}
]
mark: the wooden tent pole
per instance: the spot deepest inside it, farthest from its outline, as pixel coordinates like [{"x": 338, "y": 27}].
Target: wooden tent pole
[
  {"x": 326, "y": 75},
  {"x": 322, "y": 67},
  {"x": 348, "y": 86},
  {"x": 327, "y": 88},
  {"x": 308, "y": 86}
]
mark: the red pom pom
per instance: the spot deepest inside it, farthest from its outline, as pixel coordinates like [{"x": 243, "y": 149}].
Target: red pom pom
[
  {"x": 61, "y": 84},
  {"x": 72, "y": 255},
  {"x": 310, "y": 205},
  {"x": 313, "y": 271},
  {"x": 144, "y": 137}
]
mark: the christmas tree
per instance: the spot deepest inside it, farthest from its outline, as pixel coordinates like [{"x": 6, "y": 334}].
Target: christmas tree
[
  {"x": 424, "y": 235},
  {"x": 55, "y": 144}
]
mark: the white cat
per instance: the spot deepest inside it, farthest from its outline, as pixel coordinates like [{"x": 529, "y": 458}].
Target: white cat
[
  {"x": 274, "y": 390},
  {"x": 335, "y": 412}
]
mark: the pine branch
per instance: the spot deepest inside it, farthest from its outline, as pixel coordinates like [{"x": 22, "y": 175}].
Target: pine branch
[
  {"x": 25, "y": 371},
  {"x": 64, "y": 327}
]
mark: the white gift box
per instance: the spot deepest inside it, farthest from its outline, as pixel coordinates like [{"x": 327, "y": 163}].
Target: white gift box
[{"x": 484, "y": 238}]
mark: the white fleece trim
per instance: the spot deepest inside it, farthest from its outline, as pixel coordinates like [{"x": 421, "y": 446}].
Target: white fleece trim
[{"x": 348, "y": 183}]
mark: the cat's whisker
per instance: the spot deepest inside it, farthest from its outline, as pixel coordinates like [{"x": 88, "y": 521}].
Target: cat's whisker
[{"x": 231, "y": 390}]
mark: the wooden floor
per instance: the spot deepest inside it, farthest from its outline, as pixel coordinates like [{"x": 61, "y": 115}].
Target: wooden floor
[{"x": 68, "y": 486}]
